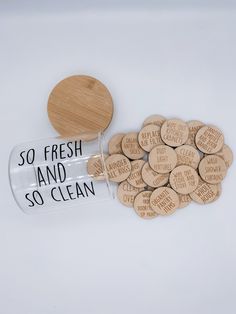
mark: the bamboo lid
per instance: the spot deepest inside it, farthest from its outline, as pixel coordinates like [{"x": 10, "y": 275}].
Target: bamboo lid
[{"x": 80, "y": 104}]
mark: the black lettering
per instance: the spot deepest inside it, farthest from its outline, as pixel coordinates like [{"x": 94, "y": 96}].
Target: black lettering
[
  {"x": 70, "y": 192},
  {"x": 78, "y": 190},
  {"x": 31, "y": 203},
  {"x": 46, "y": 151},
  {"x": 62, "y": 156},
  {"x": 60, "y": 168},
  {"x": 38, "y": 198},
  {"x": 64, "y": 199},
  {"x": 91, "y": 190},
  {"x": 50, "y": 174},
  {"x": 30, "y": 156},
  {"x": 54, "y": 151},
  {"x": 23, "y": 160},
  {"x": 53, "y": 196},
  {"x": 40, "y": 177},
  {"x": 78, "y": 148},
  {"x": 69, "y": 155}
]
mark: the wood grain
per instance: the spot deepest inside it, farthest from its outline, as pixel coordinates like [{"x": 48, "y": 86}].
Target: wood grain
[{"x": 80, "y": 104}]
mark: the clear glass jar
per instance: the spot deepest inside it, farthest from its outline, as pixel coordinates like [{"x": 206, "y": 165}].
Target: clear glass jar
[{"x": 56, "y": 173}]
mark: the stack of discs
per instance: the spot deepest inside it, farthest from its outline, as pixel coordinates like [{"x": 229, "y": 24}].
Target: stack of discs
[{"x": 168, "y": 164}]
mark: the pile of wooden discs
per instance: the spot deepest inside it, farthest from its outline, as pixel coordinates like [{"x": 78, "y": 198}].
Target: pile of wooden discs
[{"x": 167, "y": 164}]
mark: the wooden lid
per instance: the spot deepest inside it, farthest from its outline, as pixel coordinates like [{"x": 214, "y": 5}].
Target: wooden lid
[{"x": 80, "y": 104}]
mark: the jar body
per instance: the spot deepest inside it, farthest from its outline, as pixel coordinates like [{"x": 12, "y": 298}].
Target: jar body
[{"x": 53, "y": 173}]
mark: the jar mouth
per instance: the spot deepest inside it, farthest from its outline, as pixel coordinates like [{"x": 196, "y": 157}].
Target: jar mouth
[{"x": 108, "y": 182}]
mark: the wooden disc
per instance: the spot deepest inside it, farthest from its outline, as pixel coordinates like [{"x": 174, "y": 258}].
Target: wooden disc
[
  {"x": 184, "y": 179},
  {"x": 114, "y": 145},
  {"x": 209, "y": 139},
  {"x": 80, "y": 104},
  {"x": 162, "y": 159},
  {"x": 118, "y": 167},
  {"x": 130, "y": 146},
  {"x": 152, "y": 178},
  {"x": 184, "y": 200},
  {"x": 154, "y": 119},
  {"x": 164, "y": 201},
  {"x": 227, "y": 154},
  {"x": 187, "y": 155},
  {"x": 142, "y": 205},
  {"x": 149, "y": 137},
  {"x": 126, "y": 193},
  {"x": 135, "y": 177},
  {"x": 205, "y": 193},
  {"x": 212, "y": 169},
  {"x": 194, "y": 126},
  {"x": 174, "y": 132},
  {"x": 95, "y": 167}
]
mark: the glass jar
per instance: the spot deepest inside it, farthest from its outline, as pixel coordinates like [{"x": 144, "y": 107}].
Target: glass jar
[{"x": 57, "y": 173}]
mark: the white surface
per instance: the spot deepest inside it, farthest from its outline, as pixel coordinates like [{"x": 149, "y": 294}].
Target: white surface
[{"x": 105, "y": 259}]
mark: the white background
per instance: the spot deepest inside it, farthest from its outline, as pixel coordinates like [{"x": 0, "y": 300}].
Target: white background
[{"x": 178, "y": 61}]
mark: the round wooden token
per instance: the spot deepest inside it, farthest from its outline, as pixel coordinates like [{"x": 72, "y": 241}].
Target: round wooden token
[
  {"x": 118, "y": 167},
  {"x": 219, "y": 190},
  {"x": 194, "y": 126},
  {"x": 154, "y": 119},
  {"x": 80, "y": 104},
  {"x": 205, "y": 193},
  {"x": 142, "y": 205},
  {"x": 164, "y": 201},
  {"x": 126, "y": 193},
  {"x": 162, "y": 159},
  {"x": 212, "y": 169},
  {"x": 149, "y": 137},
  {"x": 174, "y": 132},
  {"x": 114, "y": 145},
  {"x": 184, "y": 179},
  {"x": 209, "y": 139},
  {"x": 152, "y": 178},
  {"x": 130, "y": 146},
  {"x": 135, "y": 177},
  {"x": 184, "y": 200},
  {"x": 227, "y": 154},
  {"x": 187, "y": 155},
  {"x": 95, "y": 167}
]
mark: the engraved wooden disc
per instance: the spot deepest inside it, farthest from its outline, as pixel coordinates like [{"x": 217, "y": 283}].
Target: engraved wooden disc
[
  {"x": 95, "y": 167},
  {"x": 187, "y": 155},
  {"x": 227, "y": 154},
  {"x": 80, "y": 104},
  {"x": 142, "y": 205},
  {"x": 154, "y": 119},
  {"x": 135, "y": 177},
  {"x": 162, "y": 159},
  {"x": 206, "y": 193},
  {"x": 209, "y": 139},
  {"x": 174, "y": 132},
  {"x": 126, "y": 193},
  {"x": 118, "y": 167},
  {"x": 184, "y": 200},
  {"x": 212, "y": 169},
  {"x": 149, "y": 137},
  {"x": 164, "y": 201},
  {"x": 194, "y": 126},
  {"x": 184, "y": 179},
  {"x": 130, "y": 146},
  {"x": 152, "y": 178},
  {"x": 114, "y": 145}
]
